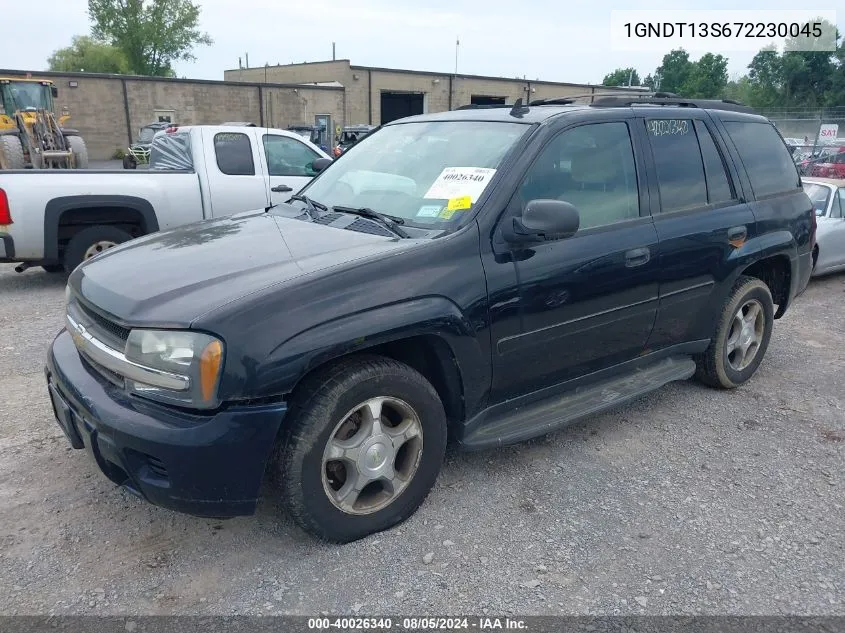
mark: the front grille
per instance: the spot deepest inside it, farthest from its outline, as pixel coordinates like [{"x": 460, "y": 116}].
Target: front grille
[
  {"x": 115, "y": 379},
  {"x": 114, "y": 332}
]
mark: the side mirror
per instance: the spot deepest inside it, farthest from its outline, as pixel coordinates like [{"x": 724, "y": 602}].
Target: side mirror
[
  {"x": 54, "y": 91},
  {"x": 320, "y": 164},
  {"x": 544, "y": 221}
]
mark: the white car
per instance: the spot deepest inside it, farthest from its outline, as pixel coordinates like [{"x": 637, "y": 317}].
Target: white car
[
  {"x": 828, "y": 196},
  {"x": 58, "y": 218}
]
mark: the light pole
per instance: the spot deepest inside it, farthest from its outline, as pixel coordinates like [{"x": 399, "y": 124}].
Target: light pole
[{"x": 457, "y": 44}]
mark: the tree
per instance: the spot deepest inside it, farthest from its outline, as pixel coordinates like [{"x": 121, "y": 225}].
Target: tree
[
  {"x": 621, "y": 76},
  {"x": 707, "y": 77},
  {"x": 152, "y": 34},
  {"x": 89, "y": 55},
  {"x": 674, "y": 71}
]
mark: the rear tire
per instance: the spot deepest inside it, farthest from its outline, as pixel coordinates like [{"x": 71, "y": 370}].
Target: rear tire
[
  {"x": 80, "y": 152},
  {"x": 11, "y": 152},
  {"x": 390, "y": 467},
  {"x": 129, "y": 162},
  {"x": 90, "y": 242},
  {"x": 53, "y": 268},
  {"x": 742, "y": 336}
]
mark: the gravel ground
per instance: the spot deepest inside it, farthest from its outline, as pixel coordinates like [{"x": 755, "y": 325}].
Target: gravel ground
[{"x": 689, "y": 501}]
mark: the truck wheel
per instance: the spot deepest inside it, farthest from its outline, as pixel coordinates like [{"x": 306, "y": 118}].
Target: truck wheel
[
  {"x": 742, "y": 336},
  {"x": 11, "y": 152},
  {"x": 90, "y": 242},
  {"x": 362, "y": 448},
  {"x": 80, "y": 151}
]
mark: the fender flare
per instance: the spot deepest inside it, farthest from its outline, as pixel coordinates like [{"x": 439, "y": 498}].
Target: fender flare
[
  {"x": 285, "y": 366},
  {"x": 57, "y": 206},
  {"x": 778, "y": 243}
]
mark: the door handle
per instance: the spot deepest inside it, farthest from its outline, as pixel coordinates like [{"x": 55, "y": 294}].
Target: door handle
[
  {"x": 281, "y": 189},
  {"x": 737, "y": 235},
  {"x": 637, "y": 257}
]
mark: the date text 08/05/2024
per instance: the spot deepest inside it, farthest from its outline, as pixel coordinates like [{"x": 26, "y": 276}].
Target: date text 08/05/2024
[
  {"x": 416, "y": 624},
  {"x": 763, "y": 30}
]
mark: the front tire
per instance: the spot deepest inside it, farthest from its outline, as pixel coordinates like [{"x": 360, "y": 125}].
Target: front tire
[
  {"x": 363, "y": 446},
  {"x": 11, "y": 152},
  {"x": 90, "y": 242},
  {"x": 80, "y": 151},
  {"x": 742, "y": 336}
]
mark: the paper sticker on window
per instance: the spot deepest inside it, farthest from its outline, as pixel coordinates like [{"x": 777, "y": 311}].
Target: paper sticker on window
[
  {"x": 459, "y": 182},
  {"x": 459, "y": 204},
  {"x": 429, "y": 211},
  {"x": 447, "y": 214}
]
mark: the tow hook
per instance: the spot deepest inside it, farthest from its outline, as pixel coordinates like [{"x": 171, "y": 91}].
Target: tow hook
[{"x": 22, "y": 267}]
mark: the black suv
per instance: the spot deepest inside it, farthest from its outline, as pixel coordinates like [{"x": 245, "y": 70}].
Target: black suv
[{"x": 487, "y": 274}]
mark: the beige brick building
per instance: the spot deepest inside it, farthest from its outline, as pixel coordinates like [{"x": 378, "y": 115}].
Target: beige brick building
[
  {"x": 378, "y": 95},
  {"x": 109, "y": 109}
]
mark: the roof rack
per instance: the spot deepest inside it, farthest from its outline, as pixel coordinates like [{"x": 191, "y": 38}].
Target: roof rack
[
  {"x": 477, "y": 106},
  {"x": 674, "y": 100},
  {"x": 569, "y": 99}
]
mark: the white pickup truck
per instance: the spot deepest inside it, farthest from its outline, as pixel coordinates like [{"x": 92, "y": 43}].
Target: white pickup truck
[{"x": 56, "y": 219}]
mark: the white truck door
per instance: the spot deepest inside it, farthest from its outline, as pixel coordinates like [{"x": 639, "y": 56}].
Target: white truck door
[
  {"x": 288, "y": 163},
  {"x": 234, "y": 168}
]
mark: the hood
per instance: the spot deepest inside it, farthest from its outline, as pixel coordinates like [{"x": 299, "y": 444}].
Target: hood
[{"x": 168, "y": 279}]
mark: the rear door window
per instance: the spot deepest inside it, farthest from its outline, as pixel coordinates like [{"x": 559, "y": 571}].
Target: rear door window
[
  {"x": 765, "y": 157},
  {"x": 234, "y": 154},
  {"x": 678, "y": 163},
  {"x": 719, "y": 188}
]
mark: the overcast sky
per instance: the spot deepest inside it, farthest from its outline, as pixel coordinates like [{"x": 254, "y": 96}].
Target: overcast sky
[{"x": 536, "y": 38}]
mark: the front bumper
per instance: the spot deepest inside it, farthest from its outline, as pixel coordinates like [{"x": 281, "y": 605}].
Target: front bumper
[{"x": 205, "y": 465}]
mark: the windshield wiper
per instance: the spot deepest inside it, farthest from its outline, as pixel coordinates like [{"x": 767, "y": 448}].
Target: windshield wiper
[
  {"x": 311, "y": 206},
  {"x": 388, "y": 221}
]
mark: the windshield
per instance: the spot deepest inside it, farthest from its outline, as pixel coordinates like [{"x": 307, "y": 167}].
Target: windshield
[
  {"x": 29, "y": 94},
  {"x": 427, "y": 173},
  {"x": 819, "y": 194}
]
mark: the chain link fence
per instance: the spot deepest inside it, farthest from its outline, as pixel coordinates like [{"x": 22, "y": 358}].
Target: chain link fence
[{"x": 814, "y": 135}]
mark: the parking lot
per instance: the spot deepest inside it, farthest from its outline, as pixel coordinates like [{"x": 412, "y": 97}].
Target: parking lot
[{"x": 689, "y": 501}]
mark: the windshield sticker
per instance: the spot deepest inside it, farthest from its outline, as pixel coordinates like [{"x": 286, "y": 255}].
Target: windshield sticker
[
  {"x": 459, "y": 182},
  {"x": 429, "y": 211},
  {"x": 459, "y": 204},
  {"x": 447, "y": 213}
]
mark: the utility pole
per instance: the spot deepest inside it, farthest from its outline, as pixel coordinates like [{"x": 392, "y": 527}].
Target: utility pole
[
  {"x": 333, "y": 52},
  {"x": 457, "y": 45}
]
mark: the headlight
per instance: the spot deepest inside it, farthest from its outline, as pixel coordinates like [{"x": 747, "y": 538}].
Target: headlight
[{"x": 194, "y": 355}]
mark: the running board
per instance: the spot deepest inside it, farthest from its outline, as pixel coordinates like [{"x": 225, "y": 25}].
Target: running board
[{"x": 545, "y": 416}]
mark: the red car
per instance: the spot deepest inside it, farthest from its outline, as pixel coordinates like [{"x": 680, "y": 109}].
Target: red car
[{"x": 833, "y": 167}]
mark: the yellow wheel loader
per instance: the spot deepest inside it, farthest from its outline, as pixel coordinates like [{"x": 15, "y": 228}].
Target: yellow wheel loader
[{"x": 31, "y": 135}]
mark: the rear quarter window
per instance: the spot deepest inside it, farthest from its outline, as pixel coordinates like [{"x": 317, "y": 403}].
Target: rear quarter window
[
  {"x": 171, "y": 151},
  {"x": 765, "y": 157}
]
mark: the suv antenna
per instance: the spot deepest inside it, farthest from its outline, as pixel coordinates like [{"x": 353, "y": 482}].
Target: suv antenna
[{"x": 518, "y": 110}]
